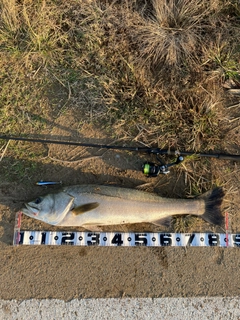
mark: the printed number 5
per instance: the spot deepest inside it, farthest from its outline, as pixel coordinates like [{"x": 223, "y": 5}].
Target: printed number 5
[{"x": 140, "y": 239}]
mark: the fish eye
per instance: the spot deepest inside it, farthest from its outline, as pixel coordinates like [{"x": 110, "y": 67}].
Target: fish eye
[{"x": 38, "y": 200}]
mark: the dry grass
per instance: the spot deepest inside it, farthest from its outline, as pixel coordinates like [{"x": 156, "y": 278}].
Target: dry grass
[
  {"x": 33, "y": 29},
  {"x": 172, "y": 33},
  {"x": 173, "y": 38},
  {"x": 148, "y": 72},
  {"x": 104, "y": 57}
]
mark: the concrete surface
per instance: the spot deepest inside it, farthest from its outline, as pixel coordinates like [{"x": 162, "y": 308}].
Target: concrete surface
[{"x": 124, "y": 308}]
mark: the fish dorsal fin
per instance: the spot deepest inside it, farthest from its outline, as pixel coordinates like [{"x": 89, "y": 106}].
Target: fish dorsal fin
[{"x": 84, "y": 208}]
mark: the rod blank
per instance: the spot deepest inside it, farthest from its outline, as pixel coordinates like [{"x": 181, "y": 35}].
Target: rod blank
[{"x": 220, "y": 156}]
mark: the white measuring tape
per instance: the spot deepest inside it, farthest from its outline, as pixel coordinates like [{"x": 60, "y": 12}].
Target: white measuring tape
[
  {"x": 127, "y": 239},
  {"x": 124, "y": 239}
]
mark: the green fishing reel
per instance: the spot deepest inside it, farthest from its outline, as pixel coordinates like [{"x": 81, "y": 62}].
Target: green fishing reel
[{"x": 151, "y": 169}]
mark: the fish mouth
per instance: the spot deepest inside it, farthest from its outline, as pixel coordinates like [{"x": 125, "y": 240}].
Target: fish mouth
[{"x": 30, "y": 211}]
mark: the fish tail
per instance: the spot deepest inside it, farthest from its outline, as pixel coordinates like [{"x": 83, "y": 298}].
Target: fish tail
[{"x": 213, "y": 203}]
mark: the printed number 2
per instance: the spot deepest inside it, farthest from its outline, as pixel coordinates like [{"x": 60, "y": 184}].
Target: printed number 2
[{"x": 67, "y": 237}]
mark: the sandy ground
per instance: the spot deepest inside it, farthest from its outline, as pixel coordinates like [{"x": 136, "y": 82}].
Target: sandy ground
[
  {"x": 140, "y": 308},
  {"x": 68, "y": 273},
  {"x": 81, "y": 272}
]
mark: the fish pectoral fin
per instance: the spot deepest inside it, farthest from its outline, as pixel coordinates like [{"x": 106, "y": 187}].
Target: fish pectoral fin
[
  {"x": 163, "y": 222},
  {"x": 84, "y": 208}
]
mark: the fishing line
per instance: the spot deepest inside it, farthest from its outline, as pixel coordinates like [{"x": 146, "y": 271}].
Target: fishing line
[{"x": 122, "y": 239}]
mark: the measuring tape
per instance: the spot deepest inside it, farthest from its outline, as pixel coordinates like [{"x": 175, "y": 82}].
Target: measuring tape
[
  {"x": 127, "y": 239},
  {"x": 124, "y": 239}
]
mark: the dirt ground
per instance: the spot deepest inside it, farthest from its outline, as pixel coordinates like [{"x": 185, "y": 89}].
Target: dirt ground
[{"x": 83, "y": 272}]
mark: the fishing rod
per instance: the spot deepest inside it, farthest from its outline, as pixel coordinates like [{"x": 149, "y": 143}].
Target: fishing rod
[{"x": 150, "y": 169}]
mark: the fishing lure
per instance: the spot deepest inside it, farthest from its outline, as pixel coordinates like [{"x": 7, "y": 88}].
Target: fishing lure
[{"x": 48, "y": 183}]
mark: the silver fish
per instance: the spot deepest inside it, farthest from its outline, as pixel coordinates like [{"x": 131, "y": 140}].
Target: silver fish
[{"x": 93, "y": 205}]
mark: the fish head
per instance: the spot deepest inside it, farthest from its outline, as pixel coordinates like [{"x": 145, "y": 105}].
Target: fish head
[{"x": 51, "y": 208}]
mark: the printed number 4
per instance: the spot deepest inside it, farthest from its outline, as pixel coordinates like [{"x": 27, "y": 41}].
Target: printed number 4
[{"x": 117, "y": 239}]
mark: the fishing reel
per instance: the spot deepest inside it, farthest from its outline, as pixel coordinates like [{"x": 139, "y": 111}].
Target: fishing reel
[{"x": 151, "y": 169}]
